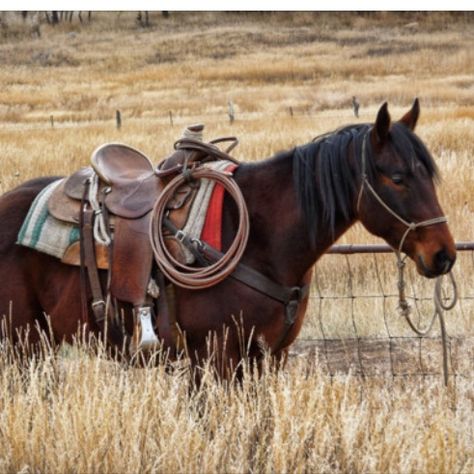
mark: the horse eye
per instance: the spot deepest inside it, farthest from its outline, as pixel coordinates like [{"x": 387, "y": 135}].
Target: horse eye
[{"x": 397, "y": 178}]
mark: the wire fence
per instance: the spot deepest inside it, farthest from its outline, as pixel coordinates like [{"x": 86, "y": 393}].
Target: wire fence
[{"x": 354, "y": 324}]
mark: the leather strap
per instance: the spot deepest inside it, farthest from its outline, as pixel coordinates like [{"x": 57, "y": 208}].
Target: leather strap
[
  {"x": 290, "y": 297},
  {"x": 206, "y": 254},
  {"x": 186, "y": 241},
  {"x": 98, "y": 302},
  {"x": 82, "y": 268},
  {"x": 166, "y": 320},
  {"x": 208, "y": 148},
  {"x": 257, "y": 281}
]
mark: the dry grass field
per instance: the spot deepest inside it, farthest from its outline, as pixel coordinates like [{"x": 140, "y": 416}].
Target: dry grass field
[{"x": 83, "y": 413}]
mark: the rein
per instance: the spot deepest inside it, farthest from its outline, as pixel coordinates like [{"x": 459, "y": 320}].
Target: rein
[{"x": 405, "y": 309}]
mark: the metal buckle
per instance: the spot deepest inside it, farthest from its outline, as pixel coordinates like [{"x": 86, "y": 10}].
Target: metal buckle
[
  {"x": 94, "y": 304},
  {"x": 198, "y": 243},
  {"x": 180, "y": 235},
  {"x": 295, "y": 293}
]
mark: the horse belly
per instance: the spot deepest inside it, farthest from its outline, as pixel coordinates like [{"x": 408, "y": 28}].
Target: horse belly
[{"x": 229, "y": 311}]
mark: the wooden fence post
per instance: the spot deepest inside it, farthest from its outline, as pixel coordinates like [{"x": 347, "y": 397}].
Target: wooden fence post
[
  {"x": 231, "y": 111},
  {"x": 118, "y": 119}
]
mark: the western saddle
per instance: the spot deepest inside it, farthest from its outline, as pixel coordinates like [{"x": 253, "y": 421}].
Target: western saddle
[{"x": 111, "y": 202}]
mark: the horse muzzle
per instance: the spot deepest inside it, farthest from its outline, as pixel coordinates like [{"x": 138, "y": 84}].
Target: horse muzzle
[{"x": 440, "y": 263}]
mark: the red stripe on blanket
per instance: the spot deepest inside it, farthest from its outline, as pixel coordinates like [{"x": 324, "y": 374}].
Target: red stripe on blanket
[{"x": 212, "y": 230}]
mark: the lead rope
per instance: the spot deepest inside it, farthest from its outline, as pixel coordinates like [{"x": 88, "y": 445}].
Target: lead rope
[
  {"x": 404, "y": 307},
  {"x": 441, "y": 305}
]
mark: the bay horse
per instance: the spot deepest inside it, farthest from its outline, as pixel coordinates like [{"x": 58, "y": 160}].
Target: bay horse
[{"x": 299, "y": 202}]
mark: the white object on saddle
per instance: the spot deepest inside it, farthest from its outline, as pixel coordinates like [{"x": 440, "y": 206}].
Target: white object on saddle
[
  {"x": 194, "y": 131},
  {"x": 101, "y": 234},
  {"x": 197, "y": 215}
]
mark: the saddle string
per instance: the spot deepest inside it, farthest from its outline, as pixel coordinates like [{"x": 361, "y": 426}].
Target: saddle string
[
  {"x": 404, "y": 306},
  {"x": 101, "y": 234}
]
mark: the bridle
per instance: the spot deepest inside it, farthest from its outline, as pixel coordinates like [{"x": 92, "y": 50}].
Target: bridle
[
  {"x": 440, "y": 305},
  {"x": 410, "y": 226}
]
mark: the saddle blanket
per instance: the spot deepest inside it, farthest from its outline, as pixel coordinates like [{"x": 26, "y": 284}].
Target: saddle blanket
[
  {"x": 44, "y": 233},
  {"x": 41, "y": 231}
]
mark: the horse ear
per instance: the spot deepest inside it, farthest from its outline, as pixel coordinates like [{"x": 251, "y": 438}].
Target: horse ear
[
  {"x": 411, "y": 117},
  {"x": 382, "y": 124}
]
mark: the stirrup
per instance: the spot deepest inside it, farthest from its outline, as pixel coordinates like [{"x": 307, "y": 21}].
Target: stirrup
[{"x": 144, "y": 337}]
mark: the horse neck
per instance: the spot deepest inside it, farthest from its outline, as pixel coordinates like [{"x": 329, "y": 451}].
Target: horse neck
[{"x": 279, "y": 243}]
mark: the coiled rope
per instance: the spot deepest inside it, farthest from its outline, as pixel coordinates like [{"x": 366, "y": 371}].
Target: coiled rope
[
  {"x": 441, "y": 304},
  {"x": 185, "y": 276}
]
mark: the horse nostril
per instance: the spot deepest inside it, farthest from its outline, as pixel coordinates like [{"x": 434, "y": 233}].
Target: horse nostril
[{"x": 443, "y": 261}]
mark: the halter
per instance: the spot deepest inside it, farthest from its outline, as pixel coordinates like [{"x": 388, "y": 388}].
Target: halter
[
  {"x": 409, "y": 225},
  {"x": 440, "y": 305}
]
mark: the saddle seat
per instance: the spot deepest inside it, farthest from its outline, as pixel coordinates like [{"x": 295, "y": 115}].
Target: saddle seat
[
  {"x": 118, "y": 164},
  {"x": 126, "y": 177}
]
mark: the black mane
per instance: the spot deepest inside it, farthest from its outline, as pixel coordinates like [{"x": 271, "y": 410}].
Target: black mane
[{"x": 325, "y": 182}]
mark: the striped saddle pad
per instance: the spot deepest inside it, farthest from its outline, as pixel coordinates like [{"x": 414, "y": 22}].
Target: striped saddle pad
[{"x": 43, "y": 232}]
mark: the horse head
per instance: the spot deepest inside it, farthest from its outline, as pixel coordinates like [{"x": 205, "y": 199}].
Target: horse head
[{"x": 397, "y": 198}]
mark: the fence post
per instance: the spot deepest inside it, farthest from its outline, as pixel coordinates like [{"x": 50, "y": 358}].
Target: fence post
[
  {"x": 118, "y": 119},
  {"x": 231, "y": 111},
  {"x": 171, "y": 118}
]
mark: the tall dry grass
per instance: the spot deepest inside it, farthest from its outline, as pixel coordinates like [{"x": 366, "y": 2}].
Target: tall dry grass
[{"x": 85, "y": 413}]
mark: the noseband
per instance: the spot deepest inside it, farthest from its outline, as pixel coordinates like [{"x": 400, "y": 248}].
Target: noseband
[{"x": 409, "y": 225}]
